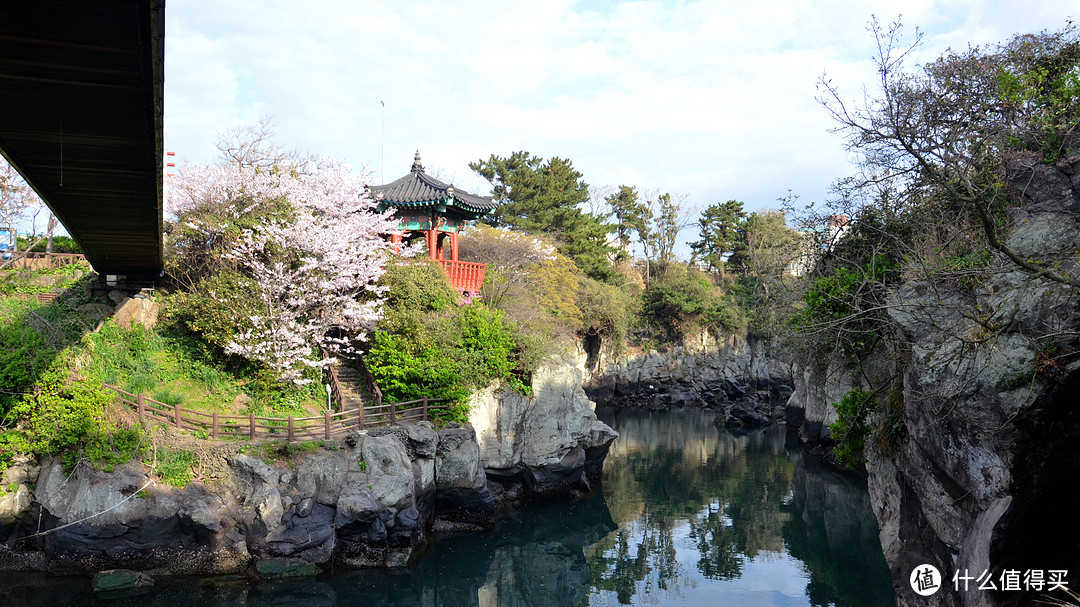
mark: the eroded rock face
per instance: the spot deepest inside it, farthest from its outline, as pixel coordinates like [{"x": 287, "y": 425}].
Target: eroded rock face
[
  {"x": 369, "y": 503},
  {"x": 721, "y": 372},
  {"x": 549, "y": 443},
  {"x": 705, "y": 369},
  {"x": 983, "y": 480},
  {"x": 463, "y": 500},
  {"x": 15, "y": 496},
  {"x": 141, "y": 310}
]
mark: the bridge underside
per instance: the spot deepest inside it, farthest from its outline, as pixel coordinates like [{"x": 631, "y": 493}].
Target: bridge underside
[{"x": 81, "y": 97}]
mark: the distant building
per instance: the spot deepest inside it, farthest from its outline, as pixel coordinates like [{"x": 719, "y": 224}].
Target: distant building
[{"x": 816, "y": 243}]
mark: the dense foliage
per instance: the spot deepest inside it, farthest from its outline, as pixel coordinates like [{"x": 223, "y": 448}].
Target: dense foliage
[
  {"x": 60, "y": 244},
  {"x": 544, "y": 197},
  {"x": 851, "y": 429},
  {"x": 681, "y": 300},
  {"x": 428, "y": 345},
  {"x": 544, "y": 293},
  {"x": 300, "y": 250}
]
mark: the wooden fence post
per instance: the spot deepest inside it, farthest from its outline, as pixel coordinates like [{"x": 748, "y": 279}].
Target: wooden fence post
[
  {"x": 326, "y": 424},
  {"x": 142, "y": 404},
  {"x": 251, "y": 425},
  {"x": 176, "y": 410},
  {"x": 425, "y": 418},
  {"x": 214, "y": 430},
  {"x": 393, "y": 415},
  {"x": 290, "y": 429},
  {"x": 360, "y": 416}
]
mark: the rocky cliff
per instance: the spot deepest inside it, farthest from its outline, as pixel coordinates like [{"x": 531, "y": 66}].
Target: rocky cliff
[
  {"x": 983, "y": 479},
  {"x": 547, "y": 444},
  {"x": 738, "y": 376},
  {"x": 368, "y": 502},
  {"x": 372, "y": 500}
]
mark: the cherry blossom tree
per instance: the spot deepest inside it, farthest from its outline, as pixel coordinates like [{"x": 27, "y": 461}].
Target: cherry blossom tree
[{"x": 315, "y": 260}]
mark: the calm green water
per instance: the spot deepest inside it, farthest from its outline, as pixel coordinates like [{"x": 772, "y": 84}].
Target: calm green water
[{"x": 689, "y": 516}]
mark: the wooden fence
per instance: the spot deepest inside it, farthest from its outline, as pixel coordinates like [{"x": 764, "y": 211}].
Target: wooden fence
[
  {"x": 34, "y": 260},
  {"x": 253, "y": 427},
  {"x": 57, "y": 259}
]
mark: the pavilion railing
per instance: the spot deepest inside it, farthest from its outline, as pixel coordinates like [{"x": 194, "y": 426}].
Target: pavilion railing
[
  {"x": 464, "y": 275},
  {"x": 253, "y": 427}
]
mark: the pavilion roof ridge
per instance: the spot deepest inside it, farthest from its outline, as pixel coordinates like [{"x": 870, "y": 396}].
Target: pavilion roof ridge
[{"x": 417, "y": 188}]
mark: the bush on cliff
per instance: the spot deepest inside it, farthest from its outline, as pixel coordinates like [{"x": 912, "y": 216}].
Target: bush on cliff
[
  {"x": 681, "y": 300},
  {"x": 851, "y": 429},
  {"x": 65, "y": 414},
  {"x": 427, "y": 345},
  {"x": 545, "y": 295}
]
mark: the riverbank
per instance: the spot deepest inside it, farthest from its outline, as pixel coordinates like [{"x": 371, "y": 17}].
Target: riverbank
[
  {"x": 373, "y": 499},
  {"x": 773, "y": 526}
]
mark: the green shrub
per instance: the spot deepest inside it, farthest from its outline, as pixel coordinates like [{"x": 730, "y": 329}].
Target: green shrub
[
  {"x": 487, "y": 345},
  {"x": 447, "y": 355},
  {"x": 119, "y": 446},
  {"x": 174, "y": 467},
  {"x": 61, "y": 244},
  {"x": 218, "y": 309},
  {"x": 608, "y": 311},
  {"x": 32, "y": 335},
  {"x": 409, "y": 368},
  {"x": 63, "y": 414},
  {"x": 682, "y": 300},
  {"x": 417, "y": 286},
  {"x": 845, "y": 303},
  {"x": 850, "y": 429}
]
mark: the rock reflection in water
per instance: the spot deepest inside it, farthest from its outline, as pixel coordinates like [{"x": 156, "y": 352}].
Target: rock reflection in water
[{"x": 534, "y": 560}]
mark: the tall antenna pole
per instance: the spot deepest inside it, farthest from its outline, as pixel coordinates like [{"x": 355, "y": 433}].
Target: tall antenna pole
[{"x": 382, "y": 128}]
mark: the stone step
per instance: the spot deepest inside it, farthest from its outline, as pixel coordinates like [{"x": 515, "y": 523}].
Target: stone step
[{"x": 353, "y": 389}]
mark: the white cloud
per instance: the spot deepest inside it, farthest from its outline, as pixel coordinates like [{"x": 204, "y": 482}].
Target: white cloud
[{"x": 710, "y": 98}]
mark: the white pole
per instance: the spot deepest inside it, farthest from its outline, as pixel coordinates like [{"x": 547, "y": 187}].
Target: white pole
[{"x": 382, "y": 128}]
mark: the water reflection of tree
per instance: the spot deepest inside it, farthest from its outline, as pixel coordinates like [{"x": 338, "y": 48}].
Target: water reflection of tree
[
  {"x": 677, "y": 471},
  {"x": 746, "y": 518},
  {"x": 642, "y": 550}
]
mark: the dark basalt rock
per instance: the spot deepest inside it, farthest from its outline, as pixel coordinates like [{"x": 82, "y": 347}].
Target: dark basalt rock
[
  {"x": 739, "y": 417},
  {"x": 566, "y": 479},
  {"x": 113, "y": 580}
]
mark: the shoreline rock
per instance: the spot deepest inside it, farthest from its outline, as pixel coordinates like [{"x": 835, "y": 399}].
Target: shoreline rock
[{"x": 374, "y": 499}]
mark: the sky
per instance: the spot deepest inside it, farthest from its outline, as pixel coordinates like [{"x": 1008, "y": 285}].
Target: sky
[{"x": 711, "y": 100}]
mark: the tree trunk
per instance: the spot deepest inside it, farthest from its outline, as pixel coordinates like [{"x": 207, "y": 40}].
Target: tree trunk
[{"x": 49, "y": 235}]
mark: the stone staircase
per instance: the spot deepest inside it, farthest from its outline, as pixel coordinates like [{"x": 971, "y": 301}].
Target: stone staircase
[{"x": 352, "y": 386}]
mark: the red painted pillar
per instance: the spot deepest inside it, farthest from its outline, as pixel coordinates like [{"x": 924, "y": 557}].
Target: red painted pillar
[
  {"x": 395, "y": 241},
  {"x": 439, "y": 237},
  {"x": 431, "y": 238},
  {"x": 453, "y": 246}
]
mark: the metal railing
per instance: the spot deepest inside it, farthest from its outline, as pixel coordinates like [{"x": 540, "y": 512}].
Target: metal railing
[{"x": 290, "y": 428}]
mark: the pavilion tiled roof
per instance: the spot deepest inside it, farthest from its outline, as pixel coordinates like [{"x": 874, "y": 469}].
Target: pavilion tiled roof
[{"x": 418, "y": 189}]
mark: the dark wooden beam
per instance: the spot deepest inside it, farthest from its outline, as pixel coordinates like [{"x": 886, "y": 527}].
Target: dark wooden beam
[{"x": 81, "y": 106}]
